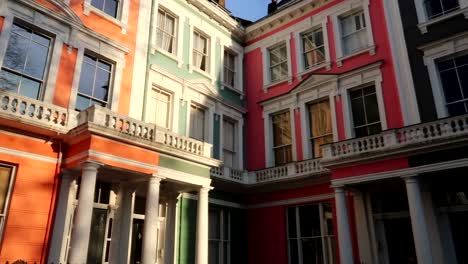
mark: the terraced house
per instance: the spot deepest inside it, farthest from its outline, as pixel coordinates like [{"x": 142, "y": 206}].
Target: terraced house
[{"x": 172, "y": 131}]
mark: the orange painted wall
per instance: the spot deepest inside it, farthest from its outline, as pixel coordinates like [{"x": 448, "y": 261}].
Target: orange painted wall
[
  {"x": 65, "y": 77},
  {"x": 29, "y": 216},
  {"x": 1, "y": 23}
]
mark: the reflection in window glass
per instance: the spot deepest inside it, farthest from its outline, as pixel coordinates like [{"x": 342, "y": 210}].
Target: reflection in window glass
[
  {"x": 109, "y": 7},
  {"x": 282, "y": 138},
  {"x": 25, "y": 61},
  {"x": 454, "y": 78},
  {"x": 278, "y": 63},
  {"x": 94, "y": 83},
  {"x": 366, "y": 117},
  {"x": 435, "y": 8}
]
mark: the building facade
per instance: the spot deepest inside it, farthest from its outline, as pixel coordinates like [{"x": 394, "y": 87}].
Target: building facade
[{"x": 171, "y": 131}]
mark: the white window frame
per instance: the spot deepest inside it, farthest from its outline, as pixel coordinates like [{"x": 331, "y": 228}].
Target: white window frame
[
  {"x": 210, "y": 54},
  {"x": 193, "y": 97},
  {"x": 4, "y": 214},
  {"x": 425, "y": 22},
  {"x": 109, "y": 54},
  {"x": 171, "y": 105},
  {"x": 267, "y": 82},
  {"x": 235, "y": 116},
  {"x": 235, "y": 50},
  {"x": 122, "y": 13},
  {"x": 299, "y": 47},
  {"x": 361, "y": 78},
  {"x": 179, "y": 33},
  {"x": 349, "y": 8},
  {"x": 56, "y": 46},
  {"x": 268, "y": 111},
  {"x": 436, "y": 51}
]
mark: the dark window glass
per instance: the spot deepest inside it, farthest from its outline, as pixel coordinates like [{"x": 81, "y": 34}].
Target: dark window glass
[
  {"x": 25, "y": 61},
  {"x": 365, "y": 111},
  {"x": 282, "y": 140},
  {"x": 454, "y": 79},
  {"x": 94, "y": 84},
  {"x": 97, "y": 233},
  {"x": 109, "y": 7},
  {"x": 435, "y": 8}
]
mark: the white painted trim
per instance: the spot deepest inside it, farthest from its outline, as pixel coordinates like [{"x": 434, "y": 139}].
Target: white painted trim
[
  {"x": 424, "y": 21},
  {"x": 401, "y": 65},
  {"x": 436, "y": 51},
  {"x": 267, "y": 83},
  {"x": 28, "y": 155},
  {"x": 179, "y": 176},
  {"x": 237, "y": 50},
  {"x": 238, "y": 128},
  {"x": 122, "y": 13}
]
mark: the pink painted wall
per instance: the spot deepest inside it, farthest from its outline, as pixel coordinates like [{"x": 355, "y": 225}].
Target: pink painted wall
[
  {"x": 254, "y": 83},
  {"x": 375, "y": 167}
]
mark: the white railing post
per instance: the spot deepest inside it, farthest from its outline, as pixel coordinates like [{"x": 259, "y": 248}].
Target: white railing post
[
  {"x": 226, "y": 172},
  {"x": 207, "y": 150},
  {"x": 291, "y": 167},
  {"x": 389, "y": 138},
  {"x": 327, "y": 151}
]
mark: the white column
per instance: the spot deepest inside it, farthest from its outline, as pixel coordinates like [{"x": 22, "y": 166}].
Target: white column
[
  {"x": 363, "y": 235},
  {"x": 418, "y": 221},
  {"x": 344, "y": 233},
  {"x": 84, "y": 211},
  {"x": 150, "y": 240},
  {"x": 201, "y": 253},
  {"x": 63, "y": 214},
  {"x": 169, "y": 250}
]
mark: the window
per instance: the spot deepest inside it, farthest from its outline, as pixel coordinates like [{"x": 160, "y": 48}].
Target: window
[
  {"x": 320, "y": 126},
  {"x": 310, "y": 234},
  {"x": 365, "y": 109},
  {"x": 6, "y": 183},
  {"x": 109, "y": 7},
  {"x": 353, "y": 33},
  {"x": 160, "y": 108},
  {"x": 229, "y": 76},
  {"x": 229, "y": 143},
  {"x": 200, "y": 52},
  {"x": 197, "y": 122},
  {"x": 282, "y": 140},
  {"x": 166, "y": 32},
  {"x": 219, "y": 237},
  {"x": 436, "y": 8},
  {"x": 278, "y": 63},
  {"x": 101, "y": 225},
  {"x": 454, "y": 78},
  {"x": 94, "y": 84},
  {"x": 313, "y": 48},
  {"x": 24, "y": 65}
]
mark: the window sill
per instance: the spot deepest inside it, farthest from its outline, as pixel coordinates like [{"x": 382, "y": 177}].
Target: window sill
[
  {"x": 371, "y": 50},
  {"x": 325, "y": 64},
  {"x": 171, "y": 56},
  {"x": 89, "y": 8},
  {"x": 202, "y": 72},
  {"x": 269, "y": 85},
  {"x": 237, "y": 91},
  {"x": 423, "y": 26}
]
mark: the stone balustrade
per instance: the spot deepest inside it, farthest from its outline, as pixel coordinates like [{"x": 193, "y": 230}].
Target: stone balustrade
[
  {"x": 143, "y": 131},
  {"x": 25, "y": 109},
  {"x": 403, "y": 139},
  {"x": 291, "y": 170}
]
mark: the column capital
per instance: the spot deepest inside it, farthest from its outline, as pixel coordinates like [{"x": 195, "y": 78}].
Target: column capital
[
  {"x": 205, "y": 189},
  {"x": 91, "y": 165},
  {"x": 339, "y": 188},
  {"x": 412, "y": 178}
]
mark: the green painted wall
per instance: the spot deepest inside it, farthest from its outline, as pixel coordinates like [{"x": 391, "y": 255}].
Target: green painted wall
[
  {"x": 183, "y": 118},
  {"x": 187, "y": 231},
  {"x": 216, "y": 136},
  {"x": 179, "y": 165}
]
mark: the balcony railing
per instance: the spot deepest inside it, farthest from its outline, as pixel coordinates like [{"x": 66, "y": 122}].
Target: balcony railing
[
  {"x": 142, "y": 131},
  {"x": 292, "y": 170},
  {"x": 25, "y": 109},
  {"x": 398, "y": 139}
]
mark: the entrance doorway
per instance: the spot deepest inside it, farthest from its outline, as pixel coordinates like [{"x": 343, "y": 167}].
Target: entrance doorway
[{"x": 400, "y": 241}]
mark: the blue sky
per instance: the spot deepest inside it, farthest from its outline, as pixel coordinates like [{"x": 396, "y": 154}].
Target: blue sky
[{"x": 248, "y": 9}]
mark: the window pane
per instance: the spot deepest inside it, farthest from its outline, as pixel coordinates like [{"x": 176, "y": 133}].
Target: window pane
[
  {"x": 451, "y": 86},
  {"x": 456, "y": 109},
  {"x": 97, "y": 233},
  {"x": 41, "y": 40},
  {"x": 293, "y": 252},
  {"x": 292, "y": 233},
  {"x": 372, "y": 108},
  {"x": 5, "y": 178},
  {"x": 98, "y": 4},
  {"x": 110, "y": 7},
  {"x": 213, "y": 252},
  {"x": 82, "y": 103},
  {"x": 463, "y": 76},
  {"x": 312, "y": 250},
  {"x": 214, "y": 227},
  {"x": 9, "y": 81},
  {"x": 30, "y": 88},
  {"x": 101, "y": 87},
  {"x": 17, "y": 50},
  {"x": 37, "y": 59},
  {"x": 309, "y": 220},
  {"x": 359, "y": 116},
  {"x": 87, "y": 78}
]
